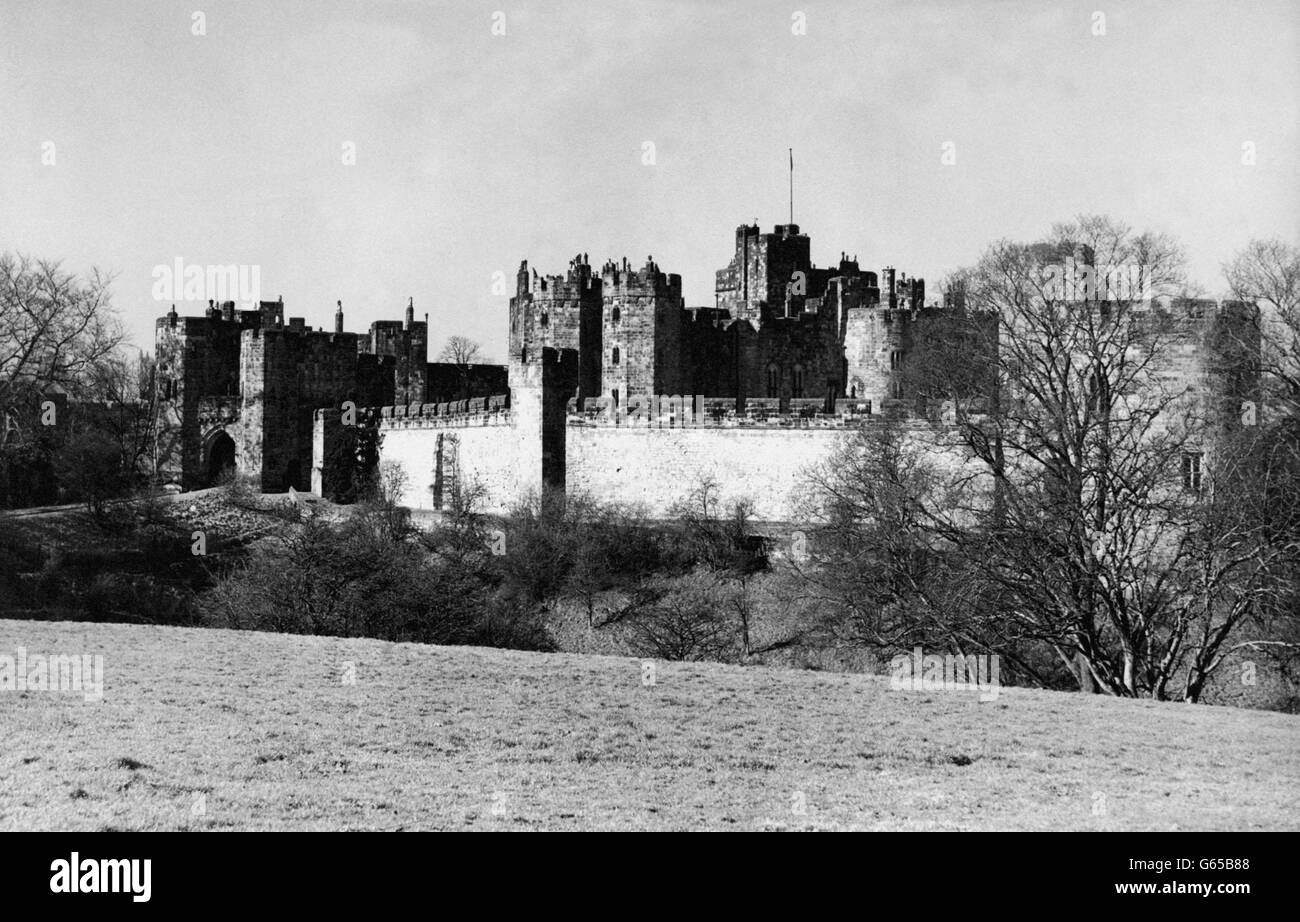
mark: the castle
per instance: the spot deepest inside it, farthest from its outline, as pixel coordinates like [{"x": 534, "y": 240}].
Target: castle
[
  {"x": 781, "y": 329},
  {"x": 614, "y": 387},
  {"x": 238, "y": 387},
  {"x": 620, "y": 392}
]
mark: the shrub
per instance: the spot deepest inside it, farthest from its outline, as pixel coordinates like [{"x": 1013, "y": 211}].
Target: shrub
[
  {"x": 363, "y": 578},
  {"x": 690, "y": 621}
]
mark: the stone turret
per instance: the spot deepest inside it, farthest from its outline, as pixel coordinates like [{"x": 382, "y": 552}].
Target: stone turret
[
  {"x": 540, "y": 389},
  {"x": 560, "y": 312},
  {"x": 642, "y": 331}
]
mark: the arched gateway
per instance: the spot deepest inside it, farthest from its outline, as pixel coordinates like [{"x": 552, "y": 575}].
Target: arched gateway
[{"x": 219, "y": 457}]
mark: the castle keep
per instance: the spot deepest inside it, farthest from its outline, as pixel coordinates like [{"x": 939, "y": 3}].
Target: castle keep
[{"x": 781, "y": 333}]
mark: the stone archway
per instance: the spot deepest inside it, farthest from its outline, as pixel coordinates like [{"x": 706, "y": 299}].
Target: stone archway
[{"x": 219, "y": 457}]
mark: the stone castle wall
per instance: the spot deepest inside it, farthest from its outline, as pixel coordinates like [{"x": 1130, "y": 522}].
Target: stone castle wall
[
  {"x": 438, "y": 457},
  {"x": 252, "y": 378},
  {"x": 509, "y": 449},
  {"x": 762, "y": 450},
  {"x": 656, "y": 468}
]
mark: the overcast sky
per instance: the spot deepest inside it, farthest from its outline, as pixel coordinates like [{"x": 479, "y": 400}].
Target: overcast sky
[{"x": 475, "y": 150}]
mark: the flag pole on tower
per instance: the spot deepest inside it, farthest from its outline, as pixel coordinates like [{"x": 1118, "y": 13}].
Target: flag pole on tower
[{"x": 791, "y": 185}]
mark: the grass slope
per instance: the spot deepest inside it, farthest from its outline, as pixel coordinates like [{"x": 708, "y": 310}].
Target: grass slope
[{"x": 206, "y": 729}]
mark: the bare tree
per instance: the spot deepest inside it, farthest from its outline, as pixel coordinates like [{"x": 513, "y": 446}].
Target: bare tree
[
  {"x": 687, "y": 622},
  {"x": 1082, "y": 443},
  {"x": 1080, "y": 492},
  {"x": 460, "y": 350},
  {"x": 721, "y": 537},
  {"x": 464, "y": 353},
  {"x": 55, "y": 329},
  {"x": 127, "y": 407},
  {"x": 1242, "y": 558},
  {"x": 874, "y": 563},
  {"x": 1267, "y": 275}
]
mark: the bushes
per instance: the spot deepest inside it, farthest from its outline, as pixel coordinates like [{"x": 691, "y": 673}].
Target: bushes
[
  {"x": 692, "y": 620},
  {"x": 373, "y": 575},
  {"x": 133, "y": 565},
  {"x": 135, "y": 597},
  {"x": 559, "y": 546},
  {"x": 366, "y": 577},
  {"x": 27, "y": 475},
  {"x": 77, "y": 593},
  {"x": 92, "y": 469}
]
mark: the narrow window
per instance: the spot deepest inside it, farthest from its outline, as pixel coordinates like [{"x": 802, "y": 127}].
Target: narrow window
[
  {"x": 614, "y": 314},
  {"x": 895, "y": 359},
  {"x": 614, "y": 356},
  {"x": 773, "y": 381},
  {"x": 796, "y": 384}
]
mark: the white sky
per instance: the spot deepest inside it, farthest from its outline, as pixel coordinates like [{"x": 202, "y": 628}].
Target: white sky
[{"x": 475, "y": 151}]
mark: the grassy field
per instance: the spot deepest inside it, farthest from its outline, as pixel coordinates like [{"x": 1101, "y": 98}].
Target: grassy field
[{"x": 206, "y": 729}]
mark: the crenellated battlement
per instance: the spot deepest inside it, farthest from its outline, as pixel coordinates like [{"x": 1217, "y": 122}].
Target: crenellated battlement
[
  {"x": 622, "y": 279},
  {"x": 687, "y": 412},
  {"x": 451, "y": 410},
  {"x": 576, "y": 280}
]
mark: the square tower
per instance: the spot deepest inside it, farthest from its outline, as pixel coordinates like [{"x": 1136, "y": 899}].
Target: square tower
[{"x": 641, "y": 340}]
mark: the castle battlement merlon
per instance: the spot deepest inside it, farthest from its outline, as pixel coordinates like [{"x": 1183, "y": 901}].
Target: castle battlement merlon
[
  {"x": 577, "y": 279},
  {"x": 622, "y": 278}
]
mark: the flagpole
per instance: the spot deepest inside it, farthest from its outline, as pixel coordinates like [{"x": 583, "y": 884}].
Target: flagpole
[{"x": 791, "y": 185}]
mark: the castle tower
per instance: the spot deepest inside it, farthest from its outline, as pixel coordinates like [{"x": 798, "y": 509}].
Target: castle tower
[
  {"x": 198, "y": 388},
  {"x": 407, "y": 342},
  {"x": 756, "y": 285},
  {"x": 541, "y": 385},
  {"x": 272, "y": 313},
  {"x": 560, "y": 312},
  {"x": 642, "y": 332},
  {"x": 338, "y": 319}
]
